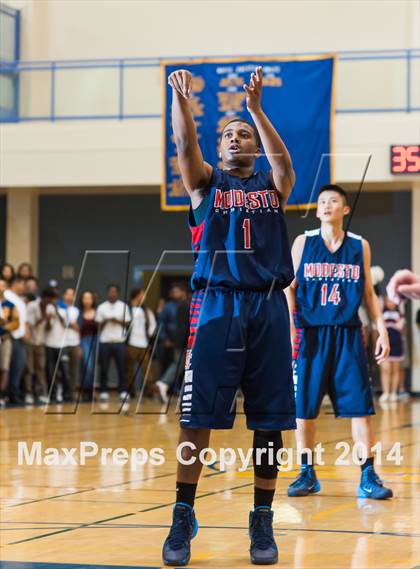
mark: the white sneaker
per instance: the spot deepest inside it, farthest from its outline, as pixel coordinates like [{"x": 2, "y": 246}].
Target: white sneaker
[
  {"x": 162, "y": 390},
  {"x": 403, "y": 395},
  {"x": 124, "y": 396},
  {"x": 104, "y": 396},
  {"x": 29, "y": 399},
  {"x": 59, "y": 395},
  {"x": 43, "y": 399},
  {"x": 384, "y": 397},
  {"x": 2, "y": 403},
  {"x": 393, "y": 397}
]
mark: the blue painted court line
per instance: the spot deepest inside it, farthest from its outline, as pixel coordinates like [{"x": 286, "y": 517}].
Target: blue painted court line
[{"x": 30, "y": 565}]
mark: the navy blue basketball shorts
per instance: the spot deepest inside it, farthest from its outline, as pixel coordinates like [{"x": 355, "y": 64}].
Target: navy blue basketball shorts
[
  {"x": 333, "y": 360},
  {"x": 238, "y": 340}
]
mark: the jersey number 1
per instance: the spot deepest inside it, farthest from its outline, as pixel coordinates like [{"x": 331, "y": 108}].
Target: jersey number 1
[
  {"x": 247, "y": 233},
  {"x": 333, "y": 297}
]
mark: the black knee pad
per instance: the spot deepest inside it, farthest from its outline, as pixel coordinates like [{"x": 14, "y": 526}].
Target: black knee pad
[{"x": 266, "y": 444}]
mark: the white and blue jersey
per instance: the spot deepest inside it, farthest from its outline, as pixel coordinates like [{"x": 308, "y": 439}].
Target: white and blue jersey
[
  {"x": 330, "y": 285},
  {"x": 242, "y": 241}
]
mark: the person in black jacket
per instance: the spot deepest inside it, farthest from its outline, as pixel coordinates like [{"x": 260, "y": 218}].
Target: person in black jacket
[{"x": 178, "y": 341}]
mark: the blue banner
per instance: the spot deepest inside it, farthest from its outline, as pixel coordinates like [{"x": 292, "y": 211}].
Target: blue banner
[{"x": 298, "y": 98}]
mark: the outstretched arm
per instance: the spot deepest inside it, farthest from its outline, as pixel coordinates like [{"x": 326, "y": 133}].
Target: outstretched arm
[
  {"x": 194, "y": 171},
  {"x": 372, "y": 304},
  {"x": 275, "y": 150}
]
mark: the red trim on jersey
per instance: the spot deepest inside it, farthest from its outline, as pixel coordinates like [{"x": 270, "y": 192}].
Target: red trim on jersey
[
  {"x": 297, "y": 343},
  {"x": 195, "y": 306},
  {"x": 196, "y": 235}
]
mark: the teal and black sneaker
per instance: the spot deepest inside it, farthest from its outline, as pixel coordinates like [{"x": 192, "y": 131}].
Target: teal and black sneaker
[
  {"x": 263, "y": 548},
  {"x": 176, "y": 549},
  {"x": 371, "y": 486},
  {"x": 306, "y": 483}
]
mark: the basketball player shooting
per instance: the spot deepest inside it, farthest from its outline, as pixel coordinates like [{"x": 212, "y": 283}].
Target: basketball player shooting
[
  {"x": 332, "y": 277},
  {"x": 239, "y": 318}
]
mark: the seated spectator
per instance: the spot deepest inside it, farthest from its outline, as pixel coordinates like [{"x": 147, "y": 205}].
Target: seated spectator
[
  {"x": 9, "y": 321},
  {"x": 142, "y": 328},
  {"x": 113, "y": 316}
]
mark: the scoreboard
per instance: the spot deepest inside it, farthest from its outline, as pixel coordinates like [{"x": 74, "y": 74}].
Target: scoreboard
[{"x": 405, "y": 159}]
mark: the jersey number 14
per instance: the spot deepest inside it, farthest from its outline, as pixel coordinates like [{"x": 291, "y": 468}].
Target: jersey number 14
[{"x": 333, "y": 297}]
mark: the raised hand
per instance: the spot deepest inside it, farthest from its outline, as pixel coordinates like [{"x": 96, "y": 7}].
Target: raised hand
[
  {"x": 403, "y": 283},
  {"x": 181, "y": 81},
  {"x": 254, "y": 90}
]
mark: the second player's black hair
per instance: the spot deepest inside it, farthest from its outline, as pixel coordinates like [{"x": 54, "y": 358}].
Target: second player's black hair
[
  {"x": 335, "y": 188},
  {"x": 256, "y": 133}
]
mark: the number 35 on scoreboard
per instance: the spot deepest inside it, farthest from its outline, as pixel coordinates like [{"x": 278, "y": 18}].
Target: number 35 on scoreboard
[{"x": 405, "y": 159}]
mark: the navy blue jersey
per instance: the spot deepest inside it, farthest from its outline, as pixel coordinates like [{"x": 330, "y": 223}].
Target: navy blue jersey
[
  {"x": 242, "y": 242},
  {"x": 330, "y": 285}
]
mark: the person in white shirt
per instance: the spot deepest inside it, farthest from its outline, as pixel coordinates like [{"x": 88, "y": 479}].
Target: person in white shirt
[
  {"x": 15, "y": 294},
  {"x": 54, "y": 346},
  {"x": 113, "y": 316},
  {"x": 72, "y": 337},
  {"x": 142, "y": 328},
  {"x": 35, "y": 348}
]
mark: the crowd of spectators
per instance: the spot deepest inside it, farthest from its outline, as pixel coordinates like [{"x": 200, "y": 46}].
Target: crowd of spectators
[{"x": 55, "y": 347}]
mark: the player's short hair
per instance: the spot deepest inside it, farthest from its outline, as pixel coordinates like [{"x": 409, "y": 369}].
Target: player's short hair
[
  {"x": 335, "y": 188},
  {"x": 112, "y": 285},
  {"x": 254, "y": 129}
]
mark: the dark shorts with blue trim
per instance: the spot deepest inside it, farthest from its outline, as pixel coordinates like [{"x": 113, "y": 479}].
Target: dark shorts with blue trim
[
  {"x": 333, "y": 360},
  {"x": 238, "y": 340}
]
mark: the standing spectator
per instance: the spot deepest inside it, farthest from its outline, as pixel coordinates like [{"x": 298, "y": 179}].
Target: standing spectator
[
  {"x": 24, "y": 271},
  {"x": 9, "y": 321},
  {"x": 167, "y": 325},
  {"x": 7, "y": 272},
  {"x": 89, "y": 335},
  {"x": 72, "y": 337},
  {"x": 15, "y": 293},
  {"x": 112, "y": 317},
  {"x": 178, "y": 338},
  {"x": 54, "y": 342},
  {"x": 31, "y": 288},
  {"x": 390, "y": 369},
  {"x": 35, "y": 349},
  {"x": 142, "y": 328}
]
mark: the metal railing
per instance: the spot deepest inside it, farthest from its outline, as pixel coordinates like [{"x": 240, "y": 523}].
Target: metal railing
[{"x": 130, "y": 88}]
